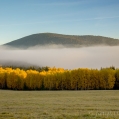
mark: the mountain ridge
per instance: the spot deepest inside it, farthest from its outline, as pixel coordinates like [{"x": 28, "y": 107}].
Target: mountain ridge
[{"x": 42, "y": 39}]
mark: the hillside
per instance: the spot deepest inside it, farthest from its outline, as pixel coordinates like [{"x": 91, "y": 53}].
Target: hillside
[{"x": 42, "y": 39}]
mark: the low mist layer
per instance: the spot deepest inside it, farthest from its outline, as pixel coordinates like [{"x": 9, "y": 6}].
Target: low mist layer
[{"x": 68, "y": 58}]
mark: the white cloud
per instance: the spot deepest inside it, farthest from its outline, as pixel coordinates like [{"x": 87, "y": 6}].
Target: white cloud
[{"x": 90, "y": 57}]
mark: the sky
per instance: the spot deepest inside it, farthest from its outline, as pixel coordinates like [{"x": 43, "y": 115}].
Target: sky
[{"x": 19, "y": 18}]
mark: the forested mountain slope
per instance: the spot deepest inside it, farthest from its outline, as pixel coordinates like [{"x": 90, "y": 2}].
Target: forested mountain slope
[{"x": 42, "y": 39}]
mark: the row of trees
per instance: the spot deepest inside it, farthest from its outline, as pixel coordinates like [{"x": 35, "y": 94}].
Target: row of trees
[{"x": 59, "y": 79}]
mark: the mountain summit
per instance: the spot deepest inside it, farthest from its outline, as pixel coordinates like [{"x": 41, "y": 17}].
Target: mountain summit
[{"x": 44, "y": 39}]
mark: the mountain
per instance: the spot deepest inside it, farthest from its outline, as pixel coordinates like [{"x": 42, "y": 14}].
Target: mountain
[
  {"x": 14, "y": 63},
  {"x": 42, "y": 39}
]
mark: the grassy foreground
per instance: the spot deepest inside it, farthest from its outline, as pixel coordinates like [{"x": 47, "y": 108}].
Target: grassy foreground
[{"x": 59, "y": 104}]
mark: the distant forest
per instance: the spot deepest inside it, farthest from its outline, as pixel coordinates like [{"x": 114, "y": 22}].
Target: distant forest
[
  {"x": 45, "y": 39},
  {"x": 46, "y": 78}
]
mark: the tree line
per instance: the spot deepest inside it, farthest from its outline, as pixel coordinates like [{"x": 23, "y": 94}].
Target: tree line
[{"x": 59, "y": 79}]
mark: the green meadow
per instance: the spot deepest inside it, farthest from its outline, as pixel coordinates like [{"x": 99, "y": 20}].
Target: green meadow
[{"x": 93, "y": 104}]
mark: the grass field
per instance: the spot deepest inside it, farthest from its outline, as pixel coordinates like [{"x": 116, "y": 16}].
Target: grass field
[{"x": 59, "y": 104}]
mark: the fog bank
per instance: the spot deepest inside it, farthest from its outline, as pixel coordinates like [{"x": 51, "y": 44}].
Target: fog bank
[{"x": 68, "y": 58}]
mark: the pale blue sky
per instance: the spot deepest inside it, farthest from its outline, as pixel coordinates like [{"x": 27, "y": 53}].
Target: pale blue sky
[{"x": 19, "y": 18}]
